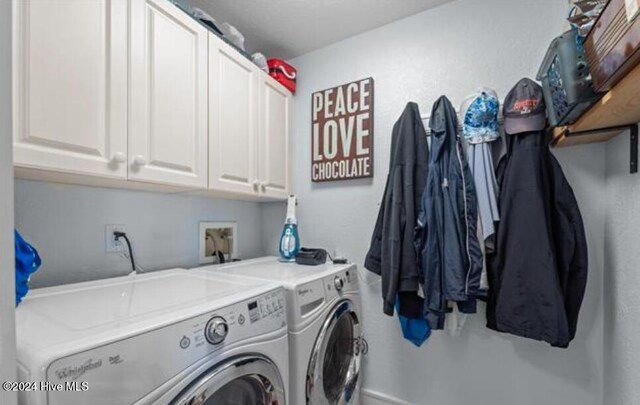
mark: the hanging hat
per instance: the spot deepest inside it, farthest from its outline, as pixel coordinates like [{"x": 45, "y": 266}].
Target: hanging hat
[
  {"x": 524, "y": 108},
  {"x": 479, "y": 117}
]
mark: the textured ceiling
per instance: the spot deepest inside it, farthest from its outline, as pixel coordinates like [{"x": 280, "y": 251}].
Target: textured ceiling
[{"x": 289, "y": 28}]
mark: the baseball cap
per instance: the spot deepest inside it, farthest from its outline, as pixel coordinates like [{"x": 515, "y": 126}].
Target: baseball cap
[
  {"x": 479, "y": 116},
  {"x": 524, "y": 108}
]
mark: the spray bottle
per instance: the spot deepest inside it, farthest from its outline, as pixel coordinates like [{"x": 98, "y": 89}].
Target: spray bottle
[{"x": 290, "y": 241}]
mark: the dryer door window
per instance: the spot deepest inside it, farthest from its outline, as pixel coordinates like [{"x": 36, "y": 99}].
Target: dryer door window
[
  {"x": 244, "y": 380},
  {"x": 334, "y": 366}
]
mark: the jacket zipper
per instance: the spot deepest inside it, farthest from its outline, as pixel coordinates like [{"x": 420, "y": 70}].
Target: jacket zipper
[{"x": 466, "y": 212}]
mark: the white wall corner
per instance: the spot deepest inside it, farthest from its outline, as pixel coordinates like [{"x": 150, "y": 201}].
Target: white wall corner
[{"x": 7, "y": 264}]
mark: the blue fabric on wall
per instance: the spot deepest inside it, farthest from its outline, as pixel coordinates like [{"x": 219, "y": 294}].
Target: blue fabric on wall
[{"x": 27, "y": 262}]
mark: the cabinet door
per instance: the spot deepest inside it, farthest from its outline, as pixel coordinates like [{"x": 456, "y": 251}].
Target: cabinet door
[
  {"x": 168, "y": 96},
  {"x": 233, "y": 119},
  {"x": 274, "y": 155},
  {"x": 70, "y": 86}
]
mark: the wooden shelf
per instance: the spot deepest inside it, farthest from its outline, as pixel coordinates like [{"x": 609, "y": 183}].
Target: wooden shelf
[{"x": 620, "y": 106}]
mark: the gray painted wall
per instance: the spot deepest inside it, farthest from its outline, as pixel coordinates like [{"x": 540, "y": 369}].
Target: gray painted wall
[
  {"x": 67, "y": 225},
  {"x": 450, "y": 50},
  {"x": 272, "y": 217},
  {"x": 7, "y": 291},
  {"x": 622, "y": 280}
]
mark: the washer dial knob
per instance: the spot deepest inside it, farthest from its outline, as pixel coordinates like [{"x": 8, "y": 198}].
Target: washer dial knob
[
  {"x": 338, "y": 283},
  {"x": 216, "y": 330}
]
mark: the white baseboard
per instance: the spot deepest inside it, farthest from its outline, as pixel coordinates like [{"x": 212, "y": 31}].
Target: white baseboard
[{"x": 370, "y": 397}]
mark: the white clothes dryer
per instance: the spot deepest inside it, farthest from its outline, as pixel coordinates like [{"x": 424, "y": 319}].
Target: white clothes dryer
[
  {"x": 325, "y": 326},
  {"x": 167, "y": 337}
]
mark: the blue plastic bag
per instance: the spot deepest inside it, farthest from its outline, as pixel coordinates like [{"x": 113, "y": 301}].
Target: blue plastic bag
[
  {"x": 27, "y": 262},
  {"x": 415, "y": 330}
]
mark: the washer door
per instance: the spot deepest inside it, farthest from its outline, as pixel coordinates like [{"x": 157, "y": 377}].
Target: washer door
[
  {"x": 334, "y": 366},
  {"x": 244, "y": 380}
]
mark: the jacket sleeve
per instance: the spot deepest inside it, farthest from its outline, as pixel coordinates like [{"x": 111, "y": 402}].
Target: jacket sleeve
[
  {"x": 408, "y": 275},
  {"x": 393, "y": 228},
  {"x": 384, "y": 254},
  {"x": 572, "y": 253},
  {"x": 373, "y": 260}
]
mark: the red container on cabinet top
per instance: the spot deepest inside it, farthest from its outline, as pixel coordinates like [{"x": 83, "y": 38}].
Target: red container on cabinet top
[{"x": 284, "y": 73}]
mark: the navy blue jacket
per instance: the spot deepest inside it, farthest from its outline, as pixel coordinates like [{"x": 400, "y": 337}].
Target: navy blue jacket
[{"x": 447, "y": 242}]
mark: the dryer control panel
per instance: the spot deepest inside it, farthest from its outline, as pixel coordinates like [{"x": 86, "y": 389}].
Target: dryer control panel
[
  {"x": 341, "y": 282},
  {"x": 310, "y": 296}
]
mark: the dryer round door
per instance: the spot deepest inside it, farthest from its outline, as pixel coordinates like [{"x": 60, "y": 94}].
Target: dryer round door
[
  {"x": 334, "y": 366},
  {"x": 243, "y": 380}
]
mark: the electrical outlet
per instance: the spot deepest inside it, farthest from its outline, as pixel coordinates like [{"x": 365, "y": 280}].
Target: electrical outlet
[{"x": 111, "y": 244}]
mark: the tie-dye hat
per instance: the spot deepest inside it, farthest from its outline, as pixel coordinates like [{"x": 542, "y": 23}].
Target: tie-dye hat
[{"x": 479, "y": 117}]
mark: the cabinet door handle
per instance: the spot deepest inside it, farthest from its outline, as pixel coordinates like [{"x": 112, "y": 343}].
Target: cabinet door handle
[
  {"x": 119, "y": 157},
  {"x": 256, "y": 184},
  {"x": 263, "y": 185},
  {"x": 139, "y": 160}
]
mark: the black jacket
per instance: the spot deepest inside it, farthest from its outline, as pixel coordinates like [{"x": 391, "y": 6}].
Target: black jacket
[
  {"x": 392, "y": 253},
  {"x": 447, "y": 242},
  {"x": 538, "y": 272}
]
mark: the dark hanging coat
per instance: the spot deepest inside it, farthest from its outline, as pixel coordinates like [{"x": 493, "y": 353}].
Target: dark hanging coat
[
  {"x": 392, "y": 253},
  {"x": 538, "y": 272},
  {"x": 447, "y": 242}
]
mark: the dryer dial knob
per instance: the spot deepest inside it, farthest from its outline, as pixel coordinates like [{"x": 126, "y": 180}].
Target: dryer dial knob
[
  {"x": 338, "y": 283},
  {"x": 216, "y": 330}
]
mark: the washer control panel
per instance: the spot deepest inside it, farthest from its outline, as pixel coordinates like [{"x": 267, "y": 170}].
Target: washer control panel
[
  {"x": 255, "y": 316},
  {"x": 216, "y": 330},
  {"x": 265, "y": 307},
  {"x": 181, "y": 344}
]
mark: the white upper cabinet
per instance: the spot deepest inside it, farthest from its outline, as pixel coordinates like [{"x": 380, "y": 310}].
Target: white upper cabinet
[
  {"x": 70, "y": 86},
  {"x": 233, "y": 120},
  {"x": 249, "y": 115},
  {"x": 136, "y": 93},
  {"x": 274, "y": 153},
  {"x": 167, "y": 96}
]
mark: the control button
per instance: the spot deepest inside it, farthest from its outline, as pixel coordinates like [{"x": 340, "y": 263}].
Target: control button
[
  {"x": 185, "y": 342},
  {"x": 338, "y": 283},
  {"x": 241, "y": 319},
  {"x": 216, "y": 330}
]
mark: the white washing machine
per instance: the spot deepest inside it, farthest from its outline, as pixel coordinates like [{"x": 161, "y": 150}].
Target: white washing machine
[
  {"x": 168, "y": 337},
  {"x": 325, "y": 327}
]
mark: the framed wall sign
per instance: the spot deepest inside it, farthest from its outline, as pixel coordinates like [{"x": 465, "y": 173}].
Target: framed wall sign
[{"x": 342, "y": 132}]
